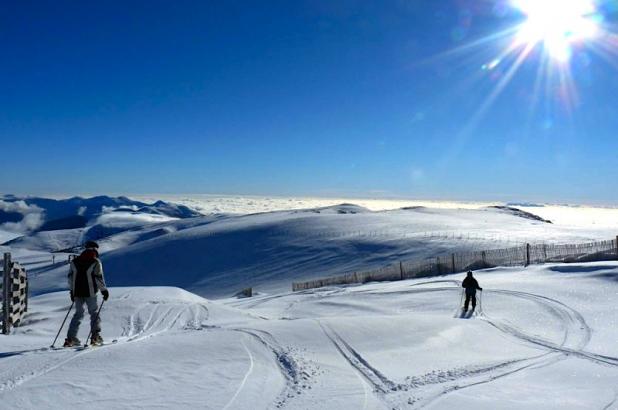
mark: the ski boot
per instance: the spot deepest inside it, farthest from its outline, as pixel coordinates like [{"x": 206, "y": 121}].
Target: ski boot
[
  {"x": 71, "y": 342},
  {"x": 96, "y": 339}
]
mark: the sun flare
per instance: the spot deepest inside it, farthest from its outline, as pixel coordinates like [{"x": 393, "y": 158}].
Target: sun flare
[{"x": 557, "y": 25}]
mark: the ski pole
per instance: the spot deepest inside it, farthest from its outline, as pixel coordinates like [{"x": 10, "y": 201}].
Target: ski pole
[
  {"x": 63, "y": 322},
  {"x": 96, "y": 319},
  {"x": 481, "y": 302}
]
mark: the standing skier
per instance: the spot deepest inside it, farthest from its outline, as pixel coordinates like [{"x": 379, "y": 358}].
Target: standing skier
[
  {"x": 85, "y": 280},
  {"x": 471, "y": 285}
]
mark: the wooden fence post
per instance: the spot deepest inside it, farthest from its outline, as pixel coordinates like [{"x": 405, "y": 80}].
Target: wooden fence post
[
  {"x": 7, "y": 287},
  {"x": 544, "y": 253},
  {"x": 616, "y": 246},
  {"x": 527, "y": 254},
  {"x": 401, "y": 269},
  {"x": 453, "y": 262},
  {"x": 484, "y": 258}
]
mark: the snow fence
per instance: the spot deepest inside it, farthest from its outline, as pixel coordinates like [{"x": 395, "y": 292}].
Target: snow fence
[
  {"x": 461, "y": 262},
  {"x": 14, "y": 291}
]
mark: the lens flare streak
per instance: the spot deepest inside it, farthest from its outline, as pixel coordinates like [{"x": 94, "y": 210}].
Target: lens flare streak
[
  {"x": 556, "y": 28},
  {"x": 550, "y": 33}
]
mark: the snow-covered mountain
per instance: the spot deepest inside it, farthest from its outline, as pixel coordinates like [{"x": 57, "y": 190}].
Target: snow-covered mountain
[
  {"x": 77, "y": 212},
  {"x": 62, "y": 224},
  {"x": 218, "y": 255}
]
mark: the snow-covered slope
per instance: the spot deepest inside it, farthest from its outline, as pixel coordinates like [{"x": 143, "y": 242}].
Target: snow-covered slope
[
  {"x": 542, "y": 337},
  {"x": 169, "y": 352},
  {"x": 270, "y": 250},
  {"x": 218, "y": 255}
]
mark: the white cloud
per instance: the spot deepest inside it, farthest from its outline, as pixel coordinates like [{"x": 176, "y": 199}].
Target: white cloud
[
  {"x": 127, "y": 219},
  {"x": 33, "y": 216}
]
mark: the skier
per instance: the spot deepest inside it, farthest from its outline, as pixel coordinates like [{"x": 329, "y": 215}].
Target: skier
[
  {"x": 85, "y": 280},
  {"x": 471, "y": 285}
]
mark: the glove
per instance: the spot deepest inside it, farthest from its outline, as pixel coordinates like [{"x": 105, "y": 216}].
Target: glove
[
  {"x": 72, "y": 297},
  {"x": 105, "y": 294},
  {"x": 481, "y": 289}
]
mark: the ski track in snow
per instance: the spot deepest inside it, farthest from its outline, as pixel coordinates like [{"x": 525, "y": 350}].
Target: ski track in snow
[
  {"x": 379, "y": 382},
  {"x": 153, "y": 319},
  {"x": 611, "y": 403},
  {"x": 161, "y": 325},
  {"x": 245, "y": 378},
  {"x": 393, "y": 394},
  {"x": 359, "y": 372},
  {"x": 287, "y": 364},
  {"x": 15, "y": 382},
  {"x": 313, "y": 293},
  {"x": 576, "y": 328},
  {"x": 367, "y": 375},
  {"x": 576, "y": 333},
  {"x": 528, "y": 363},
  {"x": 576, "y": 336}
]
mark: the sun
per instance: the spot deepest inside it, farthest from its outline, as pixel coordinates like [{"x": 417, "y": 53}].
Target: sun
[
  {"x": 556, "y": 36},
  {"x": 556, "y": 25}
]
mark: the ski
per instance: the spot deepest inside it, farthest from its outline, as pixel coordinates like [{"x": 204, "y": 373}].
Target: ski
[
  {"x": 80, "y": 347},
  {"x": 99, "y": 344},
  {"x": 104, "y": 343}
]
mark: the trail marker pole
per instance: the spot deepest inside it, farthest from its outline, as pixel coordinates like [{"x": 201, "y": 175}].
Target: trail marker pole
[{"x": 7, "y": 288}]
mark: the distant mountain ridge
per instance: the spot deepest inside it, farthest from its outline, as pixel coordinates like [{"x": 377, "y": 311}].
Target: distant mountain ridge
[
  {"x": 78, "y": 212},
  {"x": 522, "y": 214}
]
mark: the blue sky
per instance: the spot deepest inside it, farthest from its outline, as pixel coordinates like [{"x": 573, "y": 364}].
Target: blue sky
[{"x": 359, "y": 98}]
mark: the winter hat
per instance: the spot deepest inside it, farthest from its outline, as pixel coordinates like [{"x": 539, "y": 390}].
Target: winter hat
[{"x": 91, "y": 245}]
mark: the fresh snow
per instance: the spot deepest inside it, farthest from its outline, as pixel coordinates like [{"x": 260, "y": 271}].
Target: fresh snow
[
  {"x": 544, "y": 337},
  {"x": 268, "y": 251},
  {"x": 220, "y": 254}
]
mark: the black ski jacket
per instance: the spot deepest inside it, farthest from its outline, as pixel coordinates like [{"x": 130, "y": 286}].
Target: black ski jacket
[
  {"x": 86, "y": 275},
  {"x": 471, "y": 285}
]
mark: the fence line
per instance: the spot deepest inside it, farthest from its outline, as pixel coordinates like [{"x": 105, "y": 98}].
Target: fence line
[
  {"x": 14, "y": 294},
  {"x": 460, "y": 262}
]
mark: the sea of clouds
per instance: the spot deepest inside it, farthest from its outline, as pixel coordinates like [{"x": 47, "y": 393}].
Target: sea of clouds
[{"x": 568, "y": 215}]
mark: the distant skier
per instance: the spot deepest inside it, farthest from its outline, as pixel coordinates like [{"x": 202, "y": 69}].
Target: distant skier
[
  {"x": 471, "y": 285},
  {"x": 85, "y": 280}
]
